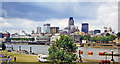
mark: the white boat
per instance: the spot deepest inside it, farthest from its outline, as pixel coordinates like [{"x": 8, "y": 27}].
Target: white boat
[{"x": 43, "y": 58}]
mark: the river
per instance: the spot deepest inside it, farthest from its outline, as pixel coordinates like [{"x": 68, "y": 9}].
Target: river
[{"x": 44, "y": 49}]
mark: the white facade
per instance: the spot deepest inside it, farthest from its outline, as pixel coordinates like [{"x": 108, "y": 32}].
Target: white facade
[
  {"x": 38, "y": 30},
  {"x": 54, "y": 37},
  {"x": 46, "y": 28}
]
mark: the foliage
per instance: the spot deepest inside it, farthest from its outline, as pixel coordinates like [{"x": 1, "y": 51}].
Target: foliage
[
  {"x": 107, "y": 34},
  {"x": 3, "y": 46},
  {"x": 87, "y": 37},
  {"x": 118, "y": 34},
  {"x": 61, "y": 50},
  {"x": 93, "y": 39},
  {"x": 112, "y": 37},
  {"x": 81, "y": 38},
  {"x": 103, "y": 39}
]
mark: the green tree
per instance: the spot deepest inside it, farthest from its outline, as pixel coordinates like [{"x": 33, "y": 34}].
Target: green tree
[
  {"x": 3, "y": 46},
  {"x": 106, "y": 39},
  {"x": 98, "y": 39},
  {"x": 81, "y": 38},
  {"x": 118, "y": 34},
  {"x": 61, "y": 50},
  {"x": 107, "y": 34},
  {"x": 112, "y": 37},
  {"x": 87, "y": 37},
  {"x": 93, "y": 39}
]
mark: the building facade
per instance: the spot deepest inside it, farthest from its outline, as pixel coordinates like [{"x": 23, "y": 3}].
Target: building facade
[
  {"x": 46, "y": 28},
  {"x": 97, "y": 31},
  {"x": 54, "y": 29},
  {"x": 71, "y": 21},
  {"x": 85, "y": 27},
  {"x": 38, "y": 30}
]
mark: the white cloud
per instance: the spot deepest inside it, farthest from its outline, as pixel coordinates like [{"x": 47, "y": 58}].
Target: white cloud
[
  {"x": 107, "y": 13},
  {"x": 15, "y": 24}
]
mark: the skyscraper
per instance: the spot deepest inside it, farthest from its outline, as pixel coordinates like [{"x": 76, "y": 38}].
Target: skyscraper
[
  {"x": 54, "y": 29},
  {"x": 33, "y": 32},
  {"x": 71, "y": 21},
  {"x": 46, "y": 28},
  {"x": 96, "y": 31},
  {"x": 38, "y": 30},
  {"x": 85, "y": 27}
]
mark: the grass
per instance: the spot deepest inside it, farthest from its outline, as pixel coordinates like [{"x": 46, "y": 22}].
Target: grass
[
  {"x": 21, "y": 57},
  {"x": 29, "y": 59}
]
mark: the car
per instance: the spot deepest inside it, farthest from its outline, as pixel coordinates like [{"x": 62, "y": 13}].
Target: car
[{"x": 43, "y": 58}]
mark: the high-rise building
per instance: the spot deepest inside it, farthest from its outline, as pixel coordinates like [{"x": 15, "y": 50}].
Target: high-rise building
[
  {"x": 71, "y": 21},
  {"x": 46, "y": 28},
  {"x": 38, "y": 30},
  {"x": 33, "y": 32},
  {"x": 54, "y": 29},
  {"x": 97, "y": 31},
  {"x": 85, "y": 27}
]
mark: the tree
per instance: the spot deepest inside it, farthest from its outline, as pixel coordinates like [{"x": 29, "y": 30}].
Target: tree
[
  {"x": 87, "y": 37},
  {"x": 112, "y": 37},
  {"x": 118, "y": 34},
  {"x": 3, "y": 46},
  {"x": 106, "y": 39},
  {"x": 81, "y": 38},
  {"x": 93, "y": 39},
  {"x": 98, "y": 39},
  {"x": 62, "y": 50},
  {"x": 107, "y": 34}
]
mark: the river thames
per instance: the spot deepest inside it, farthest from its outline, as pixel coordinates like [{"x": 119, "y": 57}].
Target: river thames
[{"x": 44, "y": 49}]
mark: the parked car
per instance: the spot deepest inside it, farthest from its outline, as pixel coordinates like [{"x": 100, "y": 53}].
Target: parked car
[{"x": 43, "y": 58}]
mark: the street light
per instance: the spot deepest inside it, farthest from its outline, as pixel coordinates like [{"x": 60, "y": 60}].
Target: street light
[
  {"x": 106, "y": 55},
  {"x": 112, "y": 56}
]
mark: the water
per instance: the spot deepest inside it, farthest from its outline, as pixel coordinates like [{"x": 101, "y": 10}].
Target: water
[{"x": 44, "y": 49}]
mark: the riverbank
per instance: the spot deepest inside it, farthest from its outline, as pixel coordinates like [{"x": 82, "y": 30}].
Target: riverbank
[
  {"x": 99, "y": 45},
  {"x": 90, "y": 44},
  {"x": 25, "y": 58},
  {"x": 20, "y": 58}
]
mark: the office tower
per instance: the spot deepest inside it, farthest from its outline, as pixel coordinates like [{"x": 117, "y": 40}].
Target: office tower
[
  {"x": 71, "y": 21},
  {"x": 97, "y": 31},
  {"x": 85, "y": 27},
  {"x": 46, "y": 28},
  {"x": 54, "y": 29},
  {"x": 33, "y": 32},
  {"x": 38, "y": 30}
]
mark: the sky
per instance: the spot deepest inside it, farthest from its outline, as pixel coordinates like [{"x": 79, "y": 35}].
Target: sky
[{"x": 28, "y": 15}]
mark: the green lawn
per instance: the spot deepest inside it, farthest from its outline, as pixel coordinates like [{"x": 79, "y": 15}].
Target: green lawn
[
  {"x": 21, "y": 57},
  {"x": 29, "y": 59}
]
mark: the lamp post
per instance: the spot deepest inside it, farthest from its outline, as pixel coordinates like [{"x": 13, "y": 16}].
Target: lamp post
[
  {"x": 30, "y": 49},
  {"x": 106, "y": 55},
  {"x": 112, "y": 56},
  {"x": 20, "y": 49}
]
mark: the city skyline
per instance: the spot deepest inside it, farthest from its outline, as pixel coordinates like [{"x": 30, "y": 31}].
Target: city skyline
[{"x": 16, "y": 17}]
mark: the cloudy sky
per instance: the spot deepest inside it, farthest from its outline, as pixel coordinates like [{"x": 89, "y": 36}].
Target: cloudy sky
[{"x": 28, "y": 15}]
